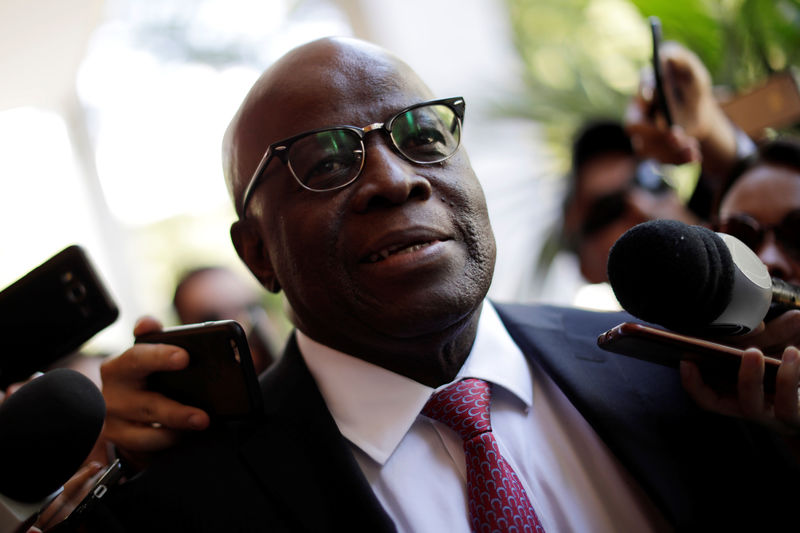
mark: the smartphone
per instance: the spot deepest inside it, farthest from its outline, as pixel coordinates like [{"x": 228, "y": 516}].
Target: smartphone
[
  {"x": 50, "y": 312},
  {"x": 86, "y": 499},
  {"x": 220, "y": 378},
  {"x": 718, "y": 363},
  {"x": 660, "y": 95}
]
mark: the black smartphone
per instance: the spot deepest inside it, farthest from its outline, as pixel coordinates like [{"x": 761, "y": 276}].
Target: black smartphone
[
  {"x": 50, "y": 312},
  {"x": 220, "y": 378},
  {"x": 718, "y": 363},
  {"x": 660, "y": 96}
]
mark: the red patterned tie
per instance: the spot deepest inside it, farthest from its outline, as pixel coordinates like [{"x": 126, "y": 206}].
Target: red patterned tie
[{"x": 497, "y": 499}]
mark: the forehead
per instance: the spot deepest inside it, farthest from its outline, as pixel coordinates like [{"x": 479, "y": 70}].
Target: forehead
[
  {"x": 325, "y": 83},
  {"x": 329, "y": 85},
  {"x": 605, "y": 174},
  {"x": 765, "y": 191}
]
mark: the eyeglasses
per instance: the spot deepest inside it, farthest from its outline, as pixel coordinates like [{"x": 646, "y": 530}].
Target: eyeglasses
[
  {"x": 751, "y": 232},
  {"x": 609, "y": 208},
  {"x": 332, "y": 158}
]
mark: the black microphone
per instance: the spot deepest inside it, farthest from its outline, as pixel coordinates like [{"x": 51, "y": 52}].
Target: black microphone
[
  {"x": 48, "y": 427},
  {"x": 690, "y": 279}
]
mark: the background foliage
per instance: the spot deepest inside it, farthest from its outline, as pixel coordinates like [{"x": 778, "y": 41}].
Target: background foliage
[{"x": 582, "y": 57}]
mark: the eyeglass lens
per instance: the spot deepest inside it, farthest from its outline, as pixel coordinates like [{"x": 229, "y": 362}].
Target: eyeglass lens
[
  {"x": 752, "y": 233},
  {"x": 327, "y": 159},
  {"x": 333, "y": 158}
]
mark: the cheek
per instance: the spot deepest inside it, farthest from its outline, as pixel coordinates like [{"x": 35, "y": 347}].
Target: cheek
[{"x": 305, "y": 248}]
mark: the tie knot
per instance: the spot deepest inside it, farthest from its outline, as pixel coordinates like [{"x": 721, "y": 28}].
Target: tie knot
[{"x": 463, "y": 406}]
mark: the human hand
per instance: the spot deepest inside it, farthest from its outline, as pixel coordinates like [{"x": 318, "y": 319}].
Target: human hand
[
  {"x": 66, "y": 502},
  {"x": 138, "y": 421},
  {"x": 780, "y": 410},
  {"x": 703, "y": 130}
]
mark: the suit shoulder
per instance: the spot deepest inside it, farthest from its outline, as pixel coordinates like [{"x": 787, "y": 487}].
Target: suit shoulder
[{"x": 544, "y": 316}]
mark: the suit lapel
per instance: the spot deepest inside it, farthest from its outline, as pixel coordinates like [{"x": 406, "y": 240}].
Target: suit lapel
[
  {"x": 695, "y": 466},
  {"x": 301, "y": 459}
]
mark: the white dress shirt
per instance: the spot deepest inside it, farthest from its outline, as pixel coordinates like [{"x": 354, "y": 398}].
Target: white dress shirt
[{"x": 416, "y": 465}]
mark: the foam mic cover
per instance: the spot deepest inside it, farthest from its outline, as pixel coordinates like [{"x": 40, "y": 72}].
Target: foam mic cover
[
  {"x": 673, "y": 274},
  {"x": 48, "y": 427}
]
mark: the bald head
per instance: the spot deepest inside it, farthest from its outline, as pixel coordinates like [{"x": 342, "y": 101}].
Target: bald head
[{"x": 307, "y": 80}]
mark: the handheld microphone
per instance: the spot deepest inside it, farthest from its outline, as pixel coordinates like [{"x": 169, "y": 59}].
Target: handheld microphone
[
  {"x": 690, "y": 279},
  {"x": 47, "y": 429}
]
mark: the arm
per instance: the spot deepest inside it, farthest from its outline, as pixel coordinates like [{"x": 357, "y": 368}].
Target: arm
[
  {"x": 703, "y": 130},
  {"x": 140, "y": 422}
]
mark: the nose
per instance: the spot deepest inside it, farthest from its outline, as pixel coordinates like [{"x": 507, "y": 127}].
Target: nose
[
  {"x": 387, "y": 179},
  {"x": 776, "y": 260}
]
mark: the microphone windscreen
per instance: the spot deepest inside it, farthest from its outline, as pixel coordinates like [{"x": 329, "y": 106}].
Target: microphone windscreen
[
  {"x": 48, "y": 427},
  {"x": 672, "y": 274}
]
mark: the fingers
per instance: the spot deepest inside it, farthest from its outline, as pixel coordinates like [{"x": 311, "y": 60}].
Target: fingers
[
  {"x": 693, "y": 384},
  {"x": 702, "y": 394},
  {"x": 126, "y": 396},
  {"x": 141, "y": 360},
  {"x": 139, "y": 438},
  {"x": 69, "y": 498},
  {"x": 146, "y": 324},
  {"x": 786, "y": 384},
  {"x": 750, "y": 385},
  {"x": 772, "y": 337},
  {"x": 139, "y": 420}
]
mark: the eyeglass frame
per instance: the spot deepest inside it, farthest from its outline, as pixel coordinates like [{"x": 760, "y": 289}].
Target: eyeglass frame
[
  {"x": 647, "y": 176},
  {"x": 762, "y": 230},
  {"x": 281, "y": 148}
]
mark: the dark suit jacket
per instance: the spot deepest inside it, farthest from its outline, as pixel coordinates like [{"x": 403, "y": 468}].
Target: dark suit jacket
[{"x": 293, "y": 471}]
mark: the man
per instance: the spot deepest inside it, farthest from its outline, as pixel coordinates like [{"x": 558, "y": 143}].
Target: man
[
  {"x": 210, "y": 293},
  {"x": 385, "y": 253},
  {"x": 615, "y": 180},
  {"x": 610, "y": 190}
]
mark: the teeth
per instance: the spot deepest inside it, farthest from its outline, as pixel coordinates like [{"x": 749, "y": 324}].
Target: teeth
[{"x": 386, "y": 252}]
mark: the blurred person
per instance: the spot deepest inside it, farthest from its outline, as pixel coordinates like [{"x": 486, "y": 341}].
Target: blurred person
[
  {"x": 213, "y": 293},
  {"x": 610, "y": 190},
  {"x": 701, "y": 131},
  {"x": 762, "y": 207},
  {"x": 384, "y": 249},
  {"x": 617, "y": 175}
]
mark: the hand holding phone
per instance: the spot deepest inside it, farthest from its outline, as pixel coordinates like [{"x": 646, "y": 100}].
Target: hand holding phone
[
  {"x": 718, "y": 363},
  {"x": 220, "y": 378},
  {"x": 80, "y": 495}
]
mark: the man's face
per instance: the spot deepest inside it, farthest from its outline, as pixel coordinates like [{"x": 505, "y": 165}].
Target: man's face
[
  {"x": 609, "y": 202},
  {"x": 405, "y": 252},
  {"x": 762, "y": 208}
]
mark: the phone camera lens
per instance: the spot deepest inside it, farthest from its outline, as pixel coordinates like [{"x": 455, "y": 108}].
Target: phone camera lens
[{"x": 76, "y": 292}]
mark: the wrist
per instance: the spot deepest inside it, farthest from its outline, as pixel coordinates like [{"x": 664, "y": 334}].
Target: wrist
[{"x": 720, "y": 146}]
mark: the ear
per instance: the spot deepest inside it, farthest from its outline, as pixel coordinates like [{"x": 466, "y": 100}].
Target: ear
[{"x": 253, "y": 251}]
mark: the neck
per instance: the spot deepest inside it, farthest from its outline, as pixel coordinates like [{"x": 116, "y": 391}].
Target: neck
[{"x": 432, "y": 359}]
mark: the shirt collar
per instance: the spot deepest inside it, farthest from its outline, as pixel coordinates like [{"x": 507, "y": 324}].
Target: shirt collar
[{"x": 374, "y": 407}]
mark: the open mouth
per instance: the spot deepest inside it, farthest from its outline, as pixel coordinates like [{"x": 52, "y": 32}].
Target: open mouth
[{"x": 398, "y": 249}]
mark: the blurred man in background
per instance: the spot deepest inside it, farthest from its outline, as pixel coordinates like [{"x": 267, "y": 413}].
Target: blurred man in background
[{"x": 212, "y": 293}]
